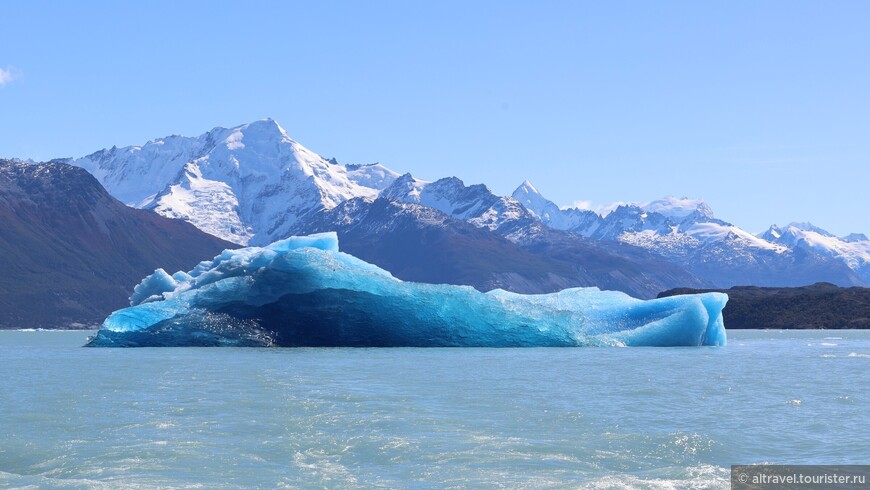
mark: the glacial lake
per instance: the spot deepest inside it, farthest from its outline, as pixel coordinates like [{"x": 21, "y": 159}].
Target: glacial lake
[{"x": 72, "y": 417}]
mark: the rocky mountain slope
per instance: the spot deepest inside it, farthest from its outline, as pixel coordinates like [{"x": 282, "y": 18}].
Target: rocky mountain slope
[
  {"x": 71, "y": 253},
  {"x": 420, "y": 243}
]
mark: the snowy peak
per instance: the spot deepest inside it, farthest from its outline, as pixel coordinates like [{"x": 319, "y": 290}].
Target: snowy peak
[
  {"x": 794, "y": 233},
  {"x": 258, "y": 133},
  {"x": 681, "y": 229},
  {"x": 374, "y": 176},
  {"x": 405, "y": 188},
  {"x": 854, "y": 249},
  {"x": 789, "y": 235},
  {"x": 680, "y": 209},
  {"x": 451, "y": 196},
  {"x": 773, "y": 234},
  {"x": 806, "y": 226},
  {"x": 247, "y": 184},
  {"x": 577, "y": 220},
  {"x": 661, "y": 217},
  {"x": 526, "y": 189},
  {"x": 475, "y": 203},
  {"x": 531, "y": 198},
  {"x": 855, "y": 238},
  {"x": 632, "y": 218},
  {"x": 133, "y": 173}
]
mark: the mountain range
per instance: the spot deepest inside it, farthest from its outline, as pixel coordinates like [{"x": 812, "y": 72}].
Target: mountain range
[
  {"x": 253, "y": 184},
  {"x": 686, "y": 232},
  {"x": 420, "y": 243}
]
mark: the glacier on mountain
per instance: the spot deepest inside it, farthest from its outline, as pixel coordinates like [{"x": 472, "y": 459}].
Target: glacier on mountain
[
  {"x": 853, "y": 249},
  {"x": 673, "y": 227},
  {"x": 685, "y": 232},
  {"x": 247, "y": 184},
  {"x": 475, "y": 204},
  {"x": 582, "y": 221},
  {"x": 302, "y": 291}
]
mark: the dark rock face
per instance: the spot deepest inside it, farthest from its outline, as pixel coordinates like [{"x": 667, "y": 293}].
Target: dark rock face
[
  {"x": 418, "y": 243},
  {"x": 71, "y": 254},
  {"x": 822, "y": 305}
]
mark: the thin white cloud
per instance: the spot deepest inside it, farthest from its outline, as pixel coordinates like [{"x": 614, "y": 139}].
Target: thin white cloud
[
  {"x": 584, "y": 205},
  {"x": 606, "y": 209},
  {"x": 602, "y": 209},
  {"x": 6, "y": 75}
]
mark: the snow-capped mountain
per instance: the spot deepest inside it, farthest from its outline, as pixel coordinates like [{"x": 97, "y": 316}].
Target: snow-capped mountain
[
  {"x": 253, "y": 184},
  {"x": 669, "y": 226},
  {"x": 680, "y": 209},
  {"x": 248, "y": 184},
  {"x": 580, "y": 221},
  {"x": 420, "y": 243},
  {"x": 475, "y": 204},
  {"x": 853, "y": 249},
  {"x": 686, "y": 232},
  {"x": 675, "y": 235}
]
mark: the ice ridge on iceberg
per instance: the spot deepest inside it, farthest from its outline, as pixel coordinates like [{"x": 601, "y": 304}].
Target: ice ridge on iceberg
[{"x": 302, "y": 291}]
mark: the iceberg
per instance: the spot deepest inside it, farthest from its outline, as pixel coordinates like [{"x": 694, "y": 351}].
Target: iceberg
[{"x": 304, "y": 292}]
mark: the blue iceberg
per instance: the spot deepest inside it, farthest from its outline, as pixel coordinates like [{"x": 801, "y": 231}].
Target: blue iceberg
[{"x": 302, "y": 291}]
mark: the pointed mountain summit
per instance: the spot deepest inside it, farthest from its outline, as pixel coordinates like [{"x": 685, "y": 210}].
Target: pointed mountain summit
[
  {"x": 527, "y": 192},
  {"x": 855, "y": 238},
  {"x": 248, "y": 184},
  {"x": 529, "y": 196},
  {"x": 406, "y": 188},
  {"x": 580, "y": 221}
]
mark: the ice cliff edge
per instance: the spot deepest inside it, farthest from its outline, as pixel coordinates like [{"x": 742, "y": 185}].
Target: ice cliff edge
[{"x": 302, "y": 291}]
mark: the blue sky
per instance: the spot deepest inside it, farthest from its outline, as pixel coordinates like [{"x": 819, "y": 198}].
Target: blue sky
[{"x": 761, "y": 108}]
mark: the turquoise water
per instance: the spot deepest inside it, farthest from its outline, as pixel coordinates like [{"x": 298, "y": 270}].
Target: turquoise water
[{"x": 427, "y": 418}]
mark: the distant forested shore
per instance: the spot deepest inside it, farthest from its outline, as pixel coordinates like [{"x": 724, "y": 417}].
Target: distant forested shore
[{"x": 819, "y": 306}]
